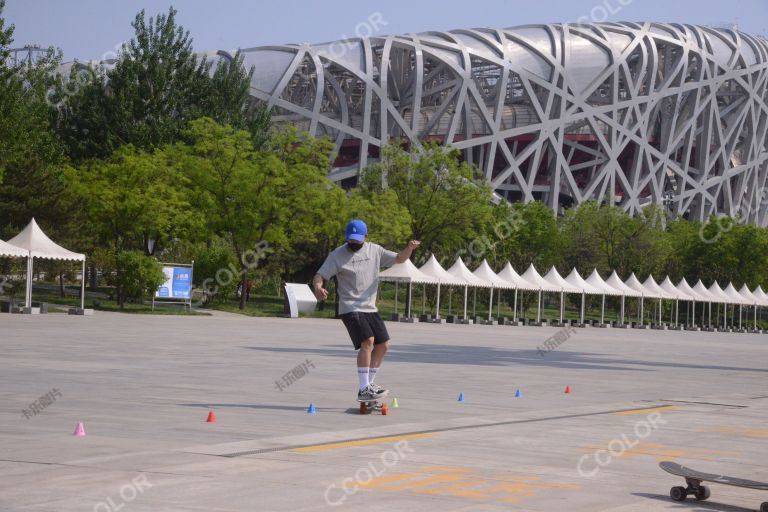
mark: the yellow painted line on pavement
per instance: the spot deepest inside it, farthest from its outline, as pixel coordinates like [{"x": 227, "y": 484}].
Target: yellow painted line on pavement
[{"x": 362, "y": 442}]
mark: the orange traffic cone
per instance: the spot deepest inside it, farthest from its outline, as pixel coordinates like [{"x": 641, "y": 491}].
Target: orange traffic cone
[
  {"x": 567, "y": 390},
  {"x": 211, "y": 417}
]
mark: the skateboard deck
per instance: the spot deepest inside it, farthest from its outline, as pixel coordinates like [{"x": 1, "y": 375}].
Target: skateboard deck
[
  {"x": 694, "y": 478},
  {"x": 376, "y": 405}
]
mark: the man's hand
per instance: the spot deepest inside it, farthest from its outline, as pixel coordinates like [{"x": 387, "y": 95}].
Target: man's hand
[
  {"x": 317, "y": 287},
  {"x": 405, "y": 254},
  {"x": 321, "y": 293}
]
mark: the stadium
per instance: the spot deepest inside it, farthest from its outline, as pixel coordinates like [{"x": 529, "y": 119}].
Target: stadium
[{"x": 629, "y": 114}]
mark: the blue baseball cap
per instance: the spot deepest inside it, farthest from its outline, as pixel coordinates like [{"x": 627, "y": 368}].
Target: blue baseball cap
[{"x": 356, "y": 230}]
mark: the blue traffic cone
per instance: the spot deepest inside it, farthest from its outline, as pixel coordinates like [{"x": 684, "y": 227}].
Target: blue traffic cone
[
  {"x": 518, "y": 394},
  {"x": 461, "y": 397},
  {"x": 311, "y": 409}
]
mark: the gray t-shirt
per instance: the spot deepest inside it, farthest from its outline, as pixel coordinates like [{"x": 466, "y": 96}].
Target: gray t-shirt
[{"x": 358, "y": 275}]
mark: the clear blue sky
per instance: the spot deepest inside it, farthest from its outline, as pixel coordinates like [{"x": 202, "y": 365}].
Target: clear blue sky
[{"x": 89, "y": 29}]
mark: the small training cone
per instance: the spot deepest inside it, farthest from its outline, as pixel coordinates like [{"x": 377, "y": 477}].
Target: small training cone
[
  {"x": 461, "y": 397},
  {"x": 211, "y": 417},
  {"x": 394, "y": 403},
  {"x": 79, "y": 429},
  {"x": 518, "y": 394},
  {"x": 567, "y": 390},
  {"x": 311, "y": 409}
]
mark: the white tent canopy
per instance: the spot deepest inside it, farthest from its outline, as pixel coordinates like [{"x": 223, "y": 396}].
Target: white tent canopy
[
  {"x": 734, "y": 296},
  {"x": 508, "y": 274},
  {"x": 460, "y": 271},
  {"x": 554, "y": 277},
  {"x": 575, "y": 280},
  {"x": 595, "y": 280},
  {"x": 406, "y": 272},
  {"x": 762, "y": 297},
  {"x": 38, "y": 245},
  {"x": 432, "y": 268},
  {"x": 704, "y": 292},
  {"x": 686, "y": 289},
  {"x": 532, "y": 275},
  {"x": 750, "y": 297},
  {"x": 485, "y": 273},
  {"x": 634, "y": 283},
  {"x": 718, "y": 294},
  {"x": 672, "y": 290},
  {"x": 8, "y": 250},
  {"x": 652, "y": 286},
  {"x": 616, "y": 282}
]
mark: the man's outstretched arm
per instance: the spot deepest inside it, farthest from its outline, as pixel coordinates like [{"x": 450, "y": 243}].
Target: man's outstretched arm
[{"x": 405, "y": 254}]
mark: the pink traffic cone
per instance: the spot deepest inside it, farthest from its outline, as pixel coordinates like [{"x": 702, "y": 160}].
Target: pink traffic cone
[{"x": 80, "y": 429}]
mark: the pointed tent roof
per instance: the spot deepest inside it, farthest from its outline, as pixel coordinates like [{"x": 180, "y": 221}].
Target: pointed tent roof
[
  {"x": 761, "y": 295},
  {"x": 532, "y": 275},
  {"x": 460, "y": 271},
  {"x": 39, "y": 245},
  {"x": 652, "y": 286},
  {"x": 615, "y": 281},
  {"x": 598, "y": 282},
  {"x": 668, "y": 286},
  {"x": 575, "y": 279},
  {"x": 406, "y": 272},
  {"x": 718, "y": 293},
  {"x": 433, "y": 269},
  {"x": 685, "y": 288},
  {"x": 704, "y": 292},
  {"x": 634, "y": 283},
  {"x": 7, "y": 249},
  {"x": 748, "y": 295},
  {"x": 509, "y": 274},
  {"x": 485, "y": 272},
  {"x": 734, "y": 295},
  {"x": 554, "y": 277}
]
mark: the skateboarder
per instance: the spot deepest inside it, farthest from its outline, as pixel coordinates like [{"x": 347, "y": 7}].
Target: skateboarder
[{"x": 356, "y": 266}]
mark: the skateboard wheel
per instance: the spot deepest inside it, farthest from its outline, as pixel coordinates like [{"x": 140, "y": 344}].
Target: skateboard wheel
[
  {"x": 363, "y": 408},
  {"x": 764, "y": 507},
  {"x": 702, "y": 493},
  {"x": 384, "y": 409},
  {"x": 678, "y": 493}
]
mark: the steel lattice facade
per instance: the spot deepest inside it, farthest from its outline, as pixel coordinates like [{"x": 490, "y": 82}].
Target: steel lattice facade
[{"x": 629, "y": 113}]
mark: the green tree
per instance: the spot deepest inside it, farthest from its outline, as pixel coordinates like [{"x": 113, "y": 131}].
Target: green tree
[
  {"x": 137, "y": 276},
  {"x": 132, "y": 197},
  {"x": 448, "y": 202},
  {"x": 30, "y": 155},
  {"x": 157, "y": 86}
]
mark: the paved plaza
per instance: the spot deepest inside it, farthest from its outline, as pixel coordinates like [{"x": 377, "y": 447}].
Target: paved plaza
[{"x": 143, "y": 387}]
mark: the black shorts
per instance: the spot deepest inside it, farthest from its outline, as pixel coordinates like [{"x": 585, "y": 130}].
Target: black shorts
[{"x": 362, "y": 326}]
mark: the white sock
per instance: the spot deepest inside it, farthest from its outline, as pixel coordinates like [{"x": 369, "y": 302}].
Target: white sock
[
  {"x": 362, "y": 377},
  {"x": 372, "y": 374}
]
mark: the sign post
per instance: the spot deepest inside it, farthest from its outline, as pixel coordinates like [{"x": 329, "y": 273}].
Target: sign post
[{"x": 177, "y": 286}]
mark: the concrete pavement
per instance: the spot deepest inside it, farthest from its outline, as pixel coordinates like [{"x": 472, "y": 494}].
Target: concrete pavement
[{"x": 143, "y": 386}]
